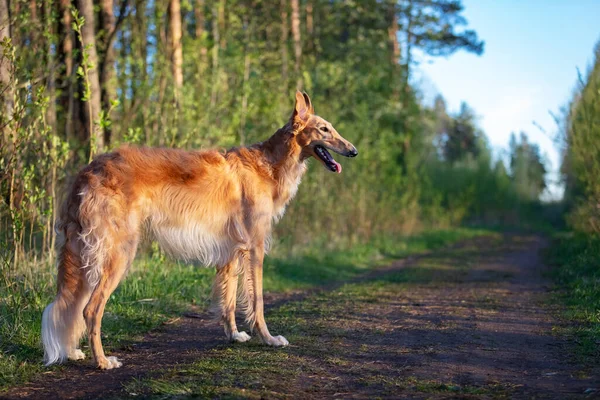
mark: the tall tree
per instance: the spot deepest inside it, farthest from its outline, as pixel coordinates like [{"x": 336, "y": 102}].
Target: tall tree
[
  {"x": 285, "y": 28},
  {"x": 297, "y": 43},
  {"x": 434, "y": 27},
  {"x": 310, "y": 25},
  {"x": 6, "y": 89},
  {"x": 461, "y": 136},
  {"x": 66, "y": 75},
  {"x": 393, "y": 32},
  {"x": 199, "y": 12},
  {"x": 177, "y": 53},
  {"x": 49, "y": 33},
  {"x": 528, "y": 170},
  {"x": 107, "y": 57},
  {"x": 199, "y": 18},
  {"x": 94, "y": 129}
]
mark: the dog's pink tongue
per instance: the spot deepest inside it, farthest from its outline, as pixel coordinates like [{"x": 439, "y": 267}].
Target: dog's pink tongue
[{"x": 338, "y": 167}]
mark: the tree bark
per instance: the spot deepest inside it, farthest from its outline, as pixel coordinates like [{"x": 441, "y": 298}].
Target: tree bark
[
  {"x": 199, "y": 15},
  {"x": 393, "y": 33},
  {"x": 65, "y": 58},
  {"x": 297, "y": 42},
  {"x": 50, "y": 57},
  {"x": 6, "y": 87},
  {"x": 177, "y": 55},
  {"x": 94, "y": 130},
  {"x": 310, "y": 27},
  {"x": 221, "y": 22},
  {"x": 409, "y": 38},
  {"x": 245, "y": 89},
  {"x": 394, "y": 45},
  {"x": 108, "y": 91},
  {"x": 217, "y": 15},
  {"x": 285, "y": 28}
]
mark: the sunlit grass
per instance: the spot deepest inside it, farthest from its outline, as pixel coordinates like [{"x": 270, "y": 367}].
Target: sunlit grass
[
  {"x": 158, "y": 289},
  {"x": 576, "y": 269}
]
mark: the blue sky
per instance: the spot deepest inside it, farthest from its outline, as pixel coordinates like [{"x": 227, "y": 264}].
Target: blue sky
[{"x": 532, "y": 51}]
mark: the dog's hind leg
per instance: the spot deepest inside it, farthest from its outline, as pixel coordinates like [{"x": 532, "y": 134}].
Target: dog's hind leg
[
  {"x": 115, "y": 266},
  {"x": 62, "y": 321},
  {"x": 224, "y": 300}
]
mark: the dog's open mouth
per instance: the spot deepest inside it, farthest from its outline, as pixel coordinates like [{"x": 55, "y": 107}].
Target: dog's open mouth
[{"x": 327, "y": 159}]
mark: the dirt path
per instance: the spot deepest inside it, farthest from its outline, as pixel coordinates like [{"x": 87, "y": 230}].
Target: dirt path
[{"x": 467, "y": 322}]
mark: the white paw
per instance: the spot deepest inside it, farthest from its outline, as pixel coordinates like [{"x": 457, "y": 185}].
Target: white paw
[
  {"x": 76, "y": 355},
  {"x": 240, "y": 337},
  {"x": 277, "y": 341},
  {"x": 113, "y": 363}
]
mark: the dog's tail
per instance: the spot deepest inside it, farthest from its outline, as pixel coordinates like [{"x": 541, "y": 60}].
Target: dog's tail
[{"x": 63, "y": 324}]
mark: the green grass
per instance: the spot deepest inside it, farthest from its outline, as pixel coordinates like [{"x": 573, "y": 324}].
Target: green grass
[
  {"x": 576, "y": 270},
  {"x": 157, "y": 290}
]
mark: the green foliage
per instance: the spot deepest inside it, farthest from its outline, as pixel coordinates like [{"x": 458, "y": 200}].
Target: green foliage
[
  {"x": 460, "y": 138},
  {"x": 576, "y": 269},
  {"x": 581, "y": 164},
  {"x": 432, "y": 26},
  {"x": 463, "y": 184},
  {"x": 527, "y": 168}
]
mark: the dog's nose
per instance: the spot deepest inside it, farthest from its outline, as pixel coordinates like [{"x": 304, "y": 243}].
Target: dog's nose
[{"x": 353, "y": 152}]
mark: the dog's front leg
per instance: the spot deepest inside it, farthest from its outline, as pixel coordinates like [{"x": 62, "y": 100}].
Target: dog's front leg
[{"x": 253, "y": 283}]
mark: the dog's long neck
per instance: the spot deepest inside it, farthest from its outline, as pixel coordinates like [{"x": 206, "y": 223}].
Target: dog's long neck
[{"x": 283, "y": 155}]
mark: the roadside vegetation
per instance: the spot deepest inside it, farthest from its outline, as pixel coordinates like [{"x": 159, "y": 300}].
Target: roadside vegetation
[
  {"x": 576, "y": 271},
  {"x": 575, "y": 255}
]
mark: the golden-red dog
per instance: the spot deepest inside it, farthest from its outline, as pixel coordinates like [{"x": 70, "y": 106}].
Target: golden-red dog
[{"x": 210, "y": 206}]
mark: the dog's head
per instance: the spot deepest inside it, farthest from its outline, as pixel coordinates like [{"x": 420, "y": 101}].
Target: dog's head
[{"x": 316, "y": 136}]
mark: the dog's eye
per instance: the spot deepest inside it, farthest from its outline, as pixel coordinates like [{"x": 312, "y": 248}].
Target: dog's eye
[{"x": 324, "y": 129}]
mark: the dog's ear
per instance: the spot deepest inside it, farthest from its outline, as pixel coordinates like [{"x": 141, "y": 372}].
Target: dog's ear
[
  {"x": 302, "y": 110},
  {"x": 311, "y": 109}
]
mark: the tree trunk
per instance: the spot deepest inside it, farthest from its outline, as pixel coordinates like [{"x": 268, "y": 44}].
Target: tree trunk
[
  {"x": 107, "y": 84},
  {"x": 139, "y": 50},
  {"x": 65, "y": 58},
  {"x": 93, "y": 128},
  {"x": 6, "y": 86},
  {"x": 221, "y": 22},
  {"x": 393, "y": 34},
  {"x": 51, "y": 66},
  {"x": 177, "y": 55},
  {"x": 285, "y": 28},
  {"x": 310, "y": 30},
  {"x": 297, "y": 42},
  {"x": 199, "y": 15},
  {"x": 245, "y": 85},
  {"x": 33, "y": 26},
  {"x": 394, "y": 45},
  {"x": 217, "y": 14},
  {"x": 409, "y": 38}
]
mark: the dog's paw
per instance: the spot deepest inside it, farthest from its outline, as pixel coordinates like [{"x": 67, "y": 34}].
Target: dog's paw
[
  {"x": 109, "y": 363},
  {"x": 240, "y": 337},
  {"x": 76, "y": 355},
  {"x": 277, "y": 341}
]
